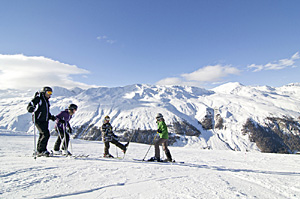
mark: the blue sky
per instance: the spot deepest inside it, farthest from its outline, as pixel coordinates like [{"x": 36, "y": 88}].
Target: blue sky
[{"x": 121, "y": 42}]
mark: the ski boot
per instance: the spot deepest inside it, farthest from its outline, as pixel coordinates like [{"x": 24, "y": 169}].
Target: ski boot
[
  {"x": 43, "y": 153},
  {"x": 154, "y": 159},
  {"x": 66, "y": 153},
  {"x": 169, "y": 157},
  {"x": 108, "y": 156},
  {"x": 126, "y": 145},
  {"x": 59, "y": 152}
]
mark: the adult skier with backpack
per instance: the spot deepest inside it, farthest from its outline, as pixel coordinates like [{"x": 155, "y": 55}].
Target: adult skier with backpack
[
  {"x": 162, "y": 130},
  {"x": 108, "y": 136},
  {"x": 41, "y": 118},
  {"x": 63, "y": 129}
]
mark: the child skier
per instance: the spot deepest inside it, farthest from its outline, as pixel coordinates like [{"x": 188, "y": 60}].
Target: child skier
[
  {"x": 108, "y": 136},
  {"x": 163, "y": 140},
  {"x": 63, "y": 129}
]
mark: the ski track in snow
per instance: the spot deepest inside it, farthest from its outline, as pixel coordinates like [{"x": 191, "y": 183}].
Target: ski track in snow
[{"x": 205, "y": 173}]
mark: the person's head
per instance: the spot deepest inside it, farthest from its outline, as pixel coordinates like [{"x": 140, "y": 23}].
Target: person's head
[
  {"x": 159, "y": 117},
  {"x": 72, "y": 108},
  {"x": 106, "y": 119},
  {"x": 47, "y": 91}
]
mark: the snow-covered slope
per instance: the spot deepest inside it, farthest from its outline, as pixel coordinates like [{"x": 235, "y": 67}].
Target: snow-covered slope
[
  {"x": 134, "y": 107},
  {"x": 205, "y": 174}
]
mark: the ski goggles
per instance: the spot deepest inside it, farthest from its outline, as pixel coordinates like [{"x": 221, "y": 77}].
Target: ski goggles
[{"x": 49, "y": 92}]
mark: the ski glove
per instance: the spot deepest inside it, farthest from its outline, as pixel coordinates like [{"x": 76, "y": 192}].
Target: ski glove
[
  {"x": 30, "y": 109},
  {"x": 159, "y": 131},
  {"x": 52, "y": 117}
]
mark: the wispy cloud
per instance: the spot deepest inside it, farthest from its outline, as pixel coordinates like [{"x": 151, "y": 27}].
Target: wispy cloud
[
  {"x": 170, "y": 81},
  {"x": 207, "y": 74},
  {"x": 211, "y": 73},
  {"x": 276, "y": 65},
  {"x": 106, "y": 39},
  {"x": 20, "y": 71}
]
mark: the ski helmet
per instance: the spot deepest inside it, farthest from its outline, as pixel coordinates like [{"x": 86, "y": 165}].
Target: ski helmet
[
  {"x": 73, "y": 107},
  {"x": 107, "y": 118},
  {"x": 46, "y": 88},
  {"x": 159, "y": 116}
]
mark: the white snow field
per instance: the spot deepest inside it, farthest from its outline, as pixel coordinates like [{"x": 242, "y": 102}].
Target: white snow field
[{"x": 205, "y": 173}]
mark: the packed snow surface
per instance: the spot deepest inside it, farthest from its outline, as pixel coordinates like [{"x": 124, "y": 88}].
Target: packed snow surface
[{"x": 204, "y": 173}]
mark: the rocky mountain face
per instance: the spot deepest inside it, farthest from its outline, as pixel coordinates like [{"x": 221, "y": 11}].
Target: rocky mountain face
[
  {"x": 229, "y": 117},
  {"x": 277, "y": 135}
]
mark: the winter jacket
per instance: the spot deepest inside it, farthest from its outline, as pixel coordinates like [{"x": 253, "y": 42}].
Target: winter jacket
[
  {"x": 63, "y": 118},
  {"x": 42, "y": 114},
  {"x": 107, "y": 133},
  {"x": 162, "y": 129}
]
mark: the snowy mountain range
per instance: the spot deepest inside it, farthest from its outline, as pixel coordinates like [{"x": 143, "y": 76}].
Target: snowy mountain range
[{"x": 229, "y": 117}]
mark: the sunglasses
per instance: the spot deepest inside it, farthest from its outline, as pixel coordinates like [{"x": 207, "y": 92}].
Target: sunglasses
[{"x": 49, "y": 92}]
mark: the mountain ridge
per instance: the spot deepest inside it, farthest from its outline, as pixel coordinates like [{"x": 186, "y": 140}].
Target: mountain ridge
[{"x": 187, "y": 110}]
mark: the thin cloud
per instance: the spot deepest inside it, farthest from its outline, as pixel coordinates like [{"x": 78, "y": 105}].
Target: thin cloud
[
  {"x": 102, "y": 37},
  {"x": 170, "y": 81},
  {"x": 111, "y": 41},
  {"x": 208, "y": 74},
  {"x": 211, "y": 73},
  {"x": 106, "y": 39},
  {"x": 21, "y": 72},
  {"x": 276, "y": 65}
]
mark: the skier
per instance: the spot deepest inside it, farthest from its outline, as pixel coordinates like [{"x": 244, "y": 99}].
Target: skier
[
  {"x": 163, "y": 140},
  {"x": 63, "y": 129},
  {"x": 41, "y": 118},
  {"x": 108, "y": 136}
]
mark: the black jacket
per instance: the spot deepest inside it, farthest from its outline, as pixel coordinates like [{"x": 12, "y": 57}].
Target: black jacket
[
  {"x": 107, "y": 133},
  {"x": 42, "y": 114}
]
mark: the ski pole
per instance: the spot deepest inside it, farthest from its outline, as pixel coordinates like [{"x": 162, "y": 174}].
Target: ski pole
[
  {"x": 129, "y": 142},
  {"x": 65, "y": 147},
  {"x": 131, "y": 136},
  {"x": 163, "y": 154},
  {"x": 71, "y": 144},
  {"x": 34, "y": 138},
  {"x": 117, "y": 151},
  {"x": 149, "y": 147}
]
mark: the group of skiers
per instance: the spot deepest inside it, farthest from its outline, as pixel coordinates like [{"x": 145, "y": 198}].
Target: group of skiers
[{"x": 39, "y": 106}]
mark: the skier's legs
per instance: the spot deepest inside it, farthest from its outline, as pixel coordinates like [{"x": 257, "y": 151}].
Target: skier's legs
[
  {"x": 118, "y": 144},
  {"x": 60, "y": 136},
  {"x": 43, "y": 137},
  {"x": 106, "y": 148},
  {"x": 167, "y": 151},
  {"x": 65, "y": 141},
  {"x": 156, "y": 145}
]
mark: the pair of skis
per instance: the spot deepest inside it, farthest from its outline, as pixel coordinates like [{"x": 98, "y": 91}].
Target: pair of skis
[
  {"x": 164, "y": 161},
  {"x": 145, "y": 161},
  {"x": 68, "y": 155},
  {"x": 35, "y": 155}
]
